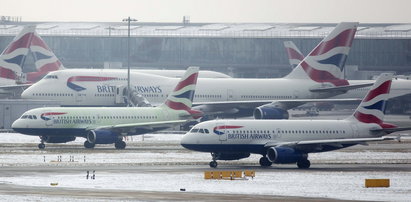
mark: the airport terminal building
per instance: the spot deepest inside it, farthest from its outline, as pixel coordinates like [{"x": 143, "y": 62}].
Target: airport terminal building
[{"x": 238, "y": 49}]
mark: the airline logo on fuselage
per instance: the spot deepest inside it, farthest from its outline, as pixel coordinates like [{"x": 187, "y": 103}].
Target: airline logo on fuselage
[
  {"x": 217, "y": 129},
  {"x": 72, "y": 85},
  {"x": 140, "y": 89},
  {"x": 45, "y": 116}
]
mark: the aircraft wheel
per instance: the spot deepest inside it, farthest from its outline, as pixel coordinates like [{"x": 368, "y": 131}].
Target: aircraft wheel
[
  {"x": 89, "y": 145},
  {"x": 304, "y": 164},
  {"x": 120, "y": 144},
  {"x": 213, "y": 164},
  {"x": 265, "y": 162},
  {"x": 42, "y": 146}
]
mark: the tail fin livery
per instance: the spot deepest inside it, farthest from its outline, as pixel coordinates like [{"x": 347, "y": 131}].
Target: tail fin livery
[
  {"x": 13, "y": 57},
  {"x": 372, "y": 107},
  {"x": 45, "y": 60},
  {"x": 182, "y": 96},
  {"x": 294, "y": 54},
  {"x": 325, "y": 62}
]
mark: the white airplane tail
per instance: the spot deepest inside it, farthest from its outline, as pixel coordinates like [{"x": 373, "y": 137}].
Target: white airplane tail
[
  {"x": 182, "y": 96},
  {"x": 45, "y": 60},
  {"x": 324, "y": 63},
  {"x": 372, "y": 107},
  {"x": 13, "y": 57},
  {"x": 294, "y": 54}
]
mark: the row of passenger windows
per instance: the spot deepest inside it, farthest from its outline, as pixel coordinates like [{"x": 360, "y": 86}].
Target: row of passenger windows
[
  {"x": 107, "y": 117},
  {"x": 288, "y": 131},
  {"x": 104, "y": 95},
  {"x": 266, "y": 97},
  {"x": 54, "y": 94},
  {"x": 29, "y": 117},
  {"x": 207, "y": 96}
]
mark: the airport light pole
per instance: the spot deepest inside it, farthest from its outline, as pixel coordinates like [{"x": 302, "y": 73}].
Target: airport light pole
[{"x": 128, "y": 20}]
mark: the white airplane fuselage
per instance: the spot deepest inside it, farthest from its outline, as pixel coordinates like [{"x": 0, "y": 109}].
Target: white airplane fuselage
[
  {"x": 252, "y": 135},
  {"x": 100, "y": 87}
]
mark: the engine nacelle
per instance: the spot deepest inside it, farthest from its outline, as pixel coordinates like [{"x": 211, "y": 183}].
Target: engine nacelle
[
  {"x": 102, "y": 137},
  {"x": 270, "y": 112},
  {"x": 54, "y": 139},
  {"x": 285, "y": 155},
  {"x": 232, "y": 156}
]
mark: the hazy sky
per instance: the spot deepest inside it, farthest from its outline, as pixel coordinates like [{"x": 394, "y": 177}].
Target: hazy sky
[{"x": 333, "y": 11}]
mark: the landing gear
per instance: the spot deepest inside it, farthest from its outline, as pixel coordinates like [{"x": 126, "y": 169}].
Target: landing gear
[
  {"x": 213, "y": 164},
  {"x": 42, "y": 146},
  {"x": 120, "y": 144},
  {"x": 89, "y": 145},
  {"x": 264, "y": 162},
  {"x": 303, "y": 164}
]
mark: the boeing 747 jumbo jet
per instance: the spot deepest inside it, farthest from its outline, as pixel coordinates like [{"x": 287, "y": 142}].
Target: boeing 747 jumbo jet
[
  {"x": 317, "y": 77},
  {"x": 290, "y": 141},
  {"x": 109, "y": 125}
]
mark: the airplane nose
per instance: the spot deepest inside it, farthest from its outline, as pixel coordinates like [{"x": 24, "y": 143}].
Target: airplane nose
[
  {"x": 185, "y": 140},
  {"x": 26, "y": 94}
]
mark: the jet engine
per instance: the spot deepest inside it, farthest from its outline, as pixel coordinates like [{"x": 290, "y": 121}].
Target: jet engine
[
  {"x": 54, "y": 139},
  {"x": 232, "y": 156},
  {"x": 102, "y": 137},
  {"x": 285, "y": 155},
  {"x": 270, "y": 112}
]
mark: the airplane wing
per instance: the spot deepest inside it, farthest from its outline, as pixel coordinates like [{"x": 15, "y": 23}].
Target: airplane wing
[
  {"x": 223, "y": 106},
  {"x": 339, "y": 88},
  {"x": 139, "y": 128},
  {"x": 317, "y": 145},
  {"x": 391, "y": 130}
]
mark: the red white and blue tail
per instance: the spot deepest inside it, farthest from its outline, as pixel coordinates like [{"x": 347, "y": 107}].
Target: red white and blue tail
[
  {"x": 325, "y": 62},
  {"x": 45, "y": 60},
  {"x": 372, "y": 107},
  {"x": 13, "y": 57},
  {"x": 294, "y": 54},
  {"x": 183, "y": 94}
]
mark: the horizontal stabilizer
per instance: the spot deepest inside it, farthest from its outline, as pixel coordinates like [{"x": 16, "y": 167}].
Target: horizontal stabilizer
[{"x": 391, "y": 130}]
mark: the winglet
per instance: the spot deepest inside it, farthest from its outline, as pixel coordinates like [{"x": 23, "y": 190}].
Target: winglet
[{"x": 326, "y": 60}]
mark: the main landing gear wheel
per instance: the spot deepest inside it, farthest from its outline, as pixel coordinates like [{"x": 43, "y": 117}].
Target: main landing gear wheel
[
  {"x": 265, "y": 162},
  {"x": 304, "y": 164},
  {"x": 213, "y": 164},
  {"x": 89, "y": 145},
  {"x": 120, "y": 144},
  {"x": 42, "y": 146}
]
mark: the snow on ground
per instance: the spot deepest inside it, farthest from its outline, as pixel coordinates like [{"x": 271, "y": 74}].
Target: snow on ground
[{"x": 337, "y": 185}]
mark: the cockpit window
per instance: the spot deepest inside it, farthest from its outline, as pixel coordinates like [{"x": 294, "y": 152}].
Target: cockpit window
[
  {"x": 24, "y": 117},
  {"x": 199, "y": 130},
  {"x": 29, "y": 117},
  {"x": 194, "y": 130},
  {"x": 51, "y": 77}
]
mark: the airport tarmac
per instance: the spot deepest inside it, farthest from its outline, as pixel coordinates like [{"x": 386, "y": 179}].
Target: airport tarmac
[{"x": 157, "y": 167}]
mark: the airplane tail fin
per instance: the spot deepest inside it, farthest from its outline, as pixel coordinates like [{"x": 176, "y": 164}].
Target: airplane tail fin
[
  {"x": 13, "y": 57},
  {"x": 372, "y": 107},
  {"x": 325, "y": 62},
  {"x": 45, "y": 60},
  {"x": 294, "y": 54},
  {"x": 183, "y": 94}
]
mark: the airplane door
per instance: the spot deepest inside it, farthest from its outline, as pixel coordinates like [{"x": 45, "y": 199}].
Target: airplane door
[
  {"x": 230, "y": 94},
  {"x": 354, "y": 130},
  {"x": 221, "y": 131}
]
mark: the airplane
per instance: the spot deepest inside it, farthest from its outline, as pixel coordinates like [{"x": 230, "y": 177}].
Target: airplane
[
  {"x": 399, "y": 87},
  {"x": 101, "y": 125},
  {"x": 317, "y": 77},
  {"x": 290, "y": 141}
]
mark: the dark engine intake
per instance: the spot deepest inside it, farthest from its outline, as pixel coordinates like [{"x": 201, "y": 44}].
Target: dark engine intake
[
  {"x": 285, "y": 155},
  {"x": 53, "y": 139},
  {"x": 270, "y": 112},
  {"x": 232, "y": 156},
  {"x": 102, "y": 137}
]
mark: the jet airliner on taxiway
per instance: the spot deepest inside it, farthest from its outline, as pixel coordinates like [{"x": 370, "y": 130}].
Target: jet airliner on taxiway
[
  {"x": 317, "y": 77},
  {"x": 290, "y": 141},
  {"x": 109, "y": 125}
]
